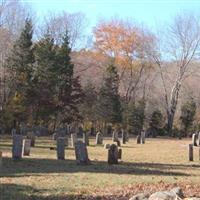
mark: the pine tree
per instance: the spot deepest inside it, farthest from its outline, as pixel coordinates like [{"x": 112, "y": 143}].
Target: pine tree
[
  {"x": 109, "y": 105},
  {"x": 20, "y": 68}
]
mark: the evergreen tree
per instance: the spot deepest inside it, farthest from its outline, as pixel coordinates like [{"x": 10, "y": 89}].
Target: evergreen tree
[
  {"x": 20, "y": 68},
  {"x": 109, "y": 105},
  {"x": 136, "y": 116},
  {"x": 188, "y": 111}
]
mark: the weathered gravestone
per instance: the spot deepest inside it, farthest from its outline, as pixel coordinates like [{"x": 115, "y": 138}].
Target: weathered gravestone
[
  {"x": 31, "y": 136},
  {"x": 81, "y": 153},
  {"x": 115, "y": 136},
  {"x": 26, "y": 147},
  {"x": 73, "y": 139},
  {"x": 86, "y": 138},
  {"x": 99, "y": 138},
  {"x": 113, "y": 154},
  {"x": 142, "y": 139},
  {"x": 138, "y": 139},
  {"x": 123, "y": 137},
  {"x": 194, "y": 139},
  {"x": 17, "y": 147},
  {"x": 1, "y": 159},
  {"x": 61, "y": 148},
  {"x": 120, "y": 153}
]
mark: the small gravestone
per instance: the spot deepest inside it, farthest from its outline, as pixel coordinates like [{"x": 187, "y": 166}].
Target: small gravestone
[
  {"x": 73, "y": 139},
  {"x": 142, "y": 137},
  {"x": 1, "y": 159},
  {"x": 99, "y": 138},
  {"x": 124, "y": 137},
  {"x": 85, "y": 138},
  {"x": 61, "y": 148},
  {"x": 31, "y": 136},
  {"x": 194, "y": 137},
  {"x": 113, "y": 154},
  {"x": 17, "y": 147},
  {"x": 138, "y": 139},
  {"x": 115, "y": 136},
  {"x": 81, "y": 153},
  {"x": 106, "y": 146},
  {"x": 120, "y": 154},
  {"x": 190, "y": 152},
  {"x": 26, "y": 147}
]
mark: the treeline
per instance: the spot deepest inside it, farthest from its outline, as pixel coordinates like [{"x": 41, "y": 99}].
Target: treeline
[{"x": 125, "y": 76}]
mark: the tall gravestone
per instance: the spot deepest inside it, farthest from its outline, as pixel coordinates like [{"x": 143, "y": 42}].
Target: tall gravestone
[
  {"x": 194, "y": 139},
  {"x": 86, "y": 138},
  {"x": 31, "y": 136},
  {"x": 73, "y": 139},
  {"x": 113, "y": 154},
  {"x": 61, "y": 148},
  {"x": 81, "y": 153},
  {"x": 17, "y": 147},
  {"x": 99, "y": 138},
  {"x": 26, "y": 147},
  {"x": 115, "y": 136},
  {"x": 142, "y": 137}
]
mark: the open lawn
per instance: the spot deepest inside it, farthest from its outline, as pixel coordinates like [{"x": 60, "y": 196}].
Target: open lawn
[{"x": 159, "y": 164}]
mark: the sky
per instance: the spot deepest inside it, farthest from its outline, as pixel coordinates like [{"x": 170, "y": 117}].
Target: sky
[{"x": 148, "y": 12}]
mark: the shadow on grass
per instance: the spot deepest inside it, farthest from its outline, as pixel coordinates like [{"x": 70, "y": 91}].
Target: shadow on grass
[
  {"x": 35, "y": 167},
  {"x": 23, "y": 192}
]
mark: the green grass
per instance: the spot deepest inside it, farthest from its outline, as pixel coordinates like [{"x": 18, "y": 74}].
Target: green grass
[{"x": 41, "y": 176}]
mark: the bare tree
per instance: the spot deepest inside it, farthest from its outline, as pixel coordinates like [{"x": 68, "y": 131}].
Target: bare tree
[{"x": 182, "y": 49}]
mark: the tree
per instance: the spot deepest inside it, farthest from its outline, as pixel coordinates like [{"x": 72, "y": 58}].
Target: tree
[
  {"x": 188, "y": 111},
  {"x": 182, "y": 46},
  {"x": 136, "y": 116},
  {"x": 20, "y": 67},
  {"x": 109, "y": 105}
]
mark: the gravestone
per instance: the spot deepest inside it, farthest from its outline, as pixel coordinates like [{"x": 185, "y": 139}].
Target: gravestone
[
  {"x": 190, "y": 152},
  {"x": 106, "y": 146},
  {"x": 198, "y": 139},
  {"x": 73, "y": 139},
  {"x": 124, "y": 137},
  {"x": 142, "y": 137},
  {"x": 120, "y": 153},
  {"x": 115, "y": 136},
  {"x": 26, "y": 147},
  {"x": 31, "y": 136},
  {"x": 194, "y": 139},
  {"x": 61, "y": 148},
  {"x": 85, "y": 138},
  {"x": 1, "y": 159},
  {"x": 99, "y": 138},
  {"x": 113, "y": 154},
  {"x": 81, "y": 153},
  {"x": 138, "y": 138},
  {"x": 17, "y": 147}
]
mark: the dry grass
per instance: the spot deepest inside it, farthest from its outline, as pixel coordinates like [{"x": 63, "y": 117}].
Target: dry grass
[{"x": 160, "y": 162}]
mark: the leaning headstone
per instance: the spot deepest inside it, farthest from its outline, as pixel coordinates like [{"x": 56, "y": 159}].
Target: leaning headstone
[
  {"x": 115, "y": 136},
  {"x": 190, "y": 152},
  {"x": 1, "y": 159},
  {"x": 106, "y": 146},
  {"x": 120, "y": 153},
  {"x": 73, "y": 139},
  {"x": 142, "y": 137},
  {"x": 31, "y": 136},
  {"x": 81, "y": 153},
  {"x": 17, "y": 147},
  {"x": 138, "y": 139},
  {"x": 85, "y": 138},
  {"x": 113, "y": 154},
  {"x": 61, "y": 148},
  {"x": 99, "y": 138},
  {"x": 26, "y": 147}
]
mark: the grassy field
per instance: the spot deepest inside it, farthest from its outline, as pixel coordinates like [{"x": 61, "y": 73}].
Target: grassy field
[{"x": 160, "y": 163}]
